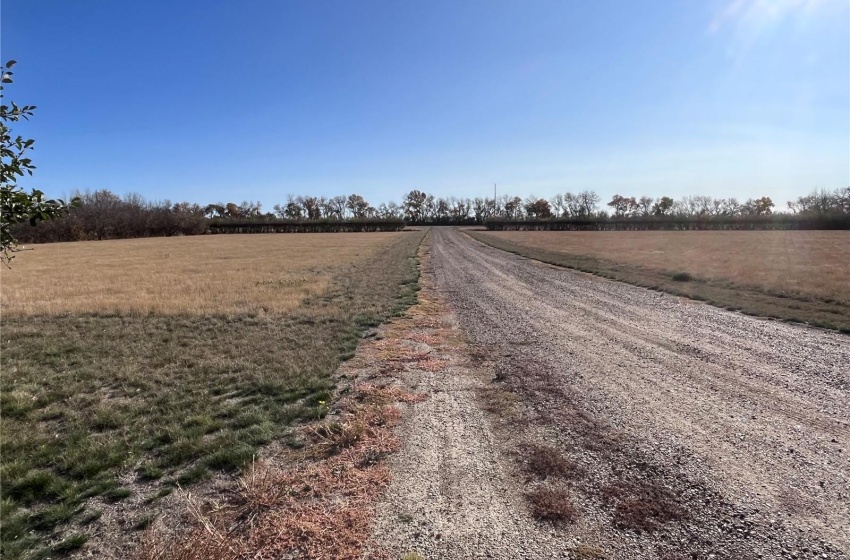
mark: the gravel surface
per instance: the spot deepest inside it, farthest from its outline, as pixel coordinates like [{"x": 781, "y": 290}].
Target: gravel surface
[{"x": 694, "y": 432}]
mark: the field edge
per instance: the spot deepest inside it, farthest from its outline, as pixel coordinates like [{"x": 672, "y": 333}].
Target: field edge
[{"x": 749, "y": 301}]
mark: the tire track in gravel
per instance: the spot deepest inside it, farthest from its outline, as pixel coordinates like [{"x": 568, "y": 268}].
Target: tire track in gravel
[{"x": 742, "y": 422}]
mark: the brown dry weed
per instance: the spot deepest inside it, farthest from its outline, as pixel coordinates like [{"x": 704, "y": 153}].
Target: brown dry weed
[
  {"x": 552, "y": 505},
  {"x": 318, "y": 507},
  {"x": 544, "y": 461}
]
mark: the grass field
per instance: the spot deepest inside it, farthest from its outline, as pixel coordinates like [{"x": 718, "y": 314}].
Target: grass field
[
  {"x": 132, "y": 366},
  {"x": 181, "y": 275},
  {"x": 800, "y": 276}
]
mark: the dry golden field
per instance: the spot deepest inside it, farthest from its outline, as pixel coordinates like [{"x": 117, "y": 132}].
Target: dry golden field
[
  {"x": 813, "y": 263},
  {"x": 226, "y": 274},
  {"x": 799, "y": 276}
]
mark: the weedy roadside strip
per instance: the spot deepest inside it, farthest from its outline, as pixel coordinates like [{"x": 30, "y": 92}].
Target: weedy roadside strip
[{"x": 318, "y": 501}]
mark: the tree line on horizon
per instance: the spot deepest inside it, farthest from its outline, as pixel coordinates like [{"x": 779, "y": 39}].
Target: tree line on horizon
[
  {"x": 102, "y": 214},
  {"x": 418, "y": 207}
]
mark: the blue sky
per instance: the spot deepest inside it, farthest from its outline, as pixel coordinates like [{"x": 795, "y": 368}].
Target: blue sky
[{"x": 251, "y": 100}]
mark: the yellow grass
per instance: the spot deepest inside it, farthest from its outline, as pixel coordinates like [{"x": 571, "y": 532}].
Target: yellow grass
[
  {"x": 807, "y": 263},
  {"x": 221, "y": 274}
]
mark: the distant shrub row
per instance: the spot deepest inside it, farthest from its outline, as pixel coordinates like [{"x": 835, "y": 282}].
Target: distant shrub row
[
  {"x": 674, "y": 223},
  {"x": 103, "y": 215},
  {"x": 305, "y": 226}
]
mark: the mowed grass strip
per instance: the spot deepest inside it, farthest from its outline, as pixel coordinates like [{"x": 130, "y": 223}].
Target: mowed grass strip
[
  {"x": 98, "y": 400},
  {"x": 801, "y": 276},
  {"x": 199, "y": 275}
]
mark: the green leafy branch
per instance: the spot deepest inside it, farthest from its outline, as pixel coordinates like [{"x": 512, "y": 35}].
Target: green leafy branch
[{"x": 19, "y": 206}]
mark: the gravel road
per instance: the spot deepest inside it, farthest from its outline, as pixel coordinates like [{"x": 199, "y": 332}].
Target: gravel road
[
  {"x": 451, "y": 495},
  {"x": 729, "y": 434}
]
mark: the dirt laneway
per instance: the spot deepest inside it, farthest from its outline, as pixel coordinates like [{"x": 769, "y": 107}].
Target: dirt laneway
[{"x": 691, "y": 432}]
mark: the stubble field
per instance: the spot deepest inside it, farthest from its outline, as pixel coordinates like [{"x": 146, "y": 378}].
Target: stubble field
[
  {"x": 801, "y": 276},
  {"x": 130, "y": 367}
]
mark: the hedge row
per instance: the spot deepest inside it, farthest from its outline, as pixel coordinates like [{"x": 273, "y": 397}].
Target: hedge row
[
  {"x": 773, "y": 222},
  {"x": 304, "y": 226}
]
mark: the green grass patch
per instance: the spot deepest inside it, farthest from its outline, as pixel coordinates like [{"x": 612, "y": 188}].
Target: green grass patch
[
  {"x": 163, "y": 492},
  {"x": 52, "y": 515},
  {"x": 681, "y": 277},
  {"x": 117, "y": 494},
  {"x": 144, "y": 521},
  {"x": 70, "y": 544},
  {"x": 149, "y": 471}
]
